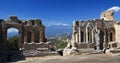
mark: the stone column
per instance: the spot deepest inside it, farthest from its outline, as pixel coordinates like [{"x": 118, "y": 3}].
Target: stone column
[
  {"x": 79, "y": 35},
  {"x": 86, "y": 35},
  {"x": 25, "y": 37},
  {"x": 108, "y": 39},
  {"x": 92, "y": 35},
  {"x": 104, "y": 44},
  {"x": 98, "y": 40},
  {"x": 20, "y": 38}
]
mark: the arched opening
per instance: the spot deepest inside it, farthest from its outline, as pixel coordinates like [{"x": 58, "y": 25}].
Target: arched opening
[
  {"x": 82, "y": 36},
  {"x": 12, "y": 39},
  {"x": 89, "y": 34},
  {"x": 101, "y": 39},
  {"x": 111, "y": 36},
  {"x": 76, "y": 37},
  {"x": 29, "y": 37},
  {"x": 37, "y": 37}
]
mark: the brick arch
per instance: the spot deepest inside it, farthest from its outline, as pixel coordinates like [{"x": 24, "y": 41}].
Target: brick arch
[
  {"x": 6, "y": 25},
  {"x": 112, "y": 34},
  {"x": 89, "y": 31},
  {"x": 36, "y": 30}
]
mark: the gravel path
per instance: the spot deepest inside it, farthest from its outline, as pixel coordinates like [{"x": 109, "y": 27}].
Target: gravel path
[{"x": 94, "y": 58}]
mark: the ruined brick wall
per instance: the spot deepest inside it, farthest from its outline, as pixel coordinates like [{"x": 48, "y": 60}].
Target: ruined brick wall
[
  {"x": 30, "y": 31},
  {"x": 34, "y": 31}
]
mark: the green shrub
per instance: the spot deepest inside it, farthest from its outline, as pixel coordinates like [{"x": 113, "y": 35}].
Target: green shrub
[
  {"x": 62, "y": 45},
  {"x": 58, "y": 44},
  {"x": 12, "y": 43}
]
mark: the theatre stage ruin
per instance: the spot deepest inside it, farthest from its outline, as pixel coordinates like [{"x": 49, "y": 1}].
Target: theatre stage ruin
[{"x": 96, "y": 34}]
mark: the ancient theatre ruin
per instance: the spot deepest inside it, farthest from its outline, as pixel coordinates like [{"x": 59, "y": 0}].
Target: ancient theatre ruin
[
  {"x": 96, "y": 34},
  {"x": 31, "y": 32}
]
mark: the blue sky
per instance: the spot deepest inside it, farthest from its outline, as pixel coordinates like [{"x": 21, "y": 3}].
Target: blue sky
[{"x": 53, "y": 12}]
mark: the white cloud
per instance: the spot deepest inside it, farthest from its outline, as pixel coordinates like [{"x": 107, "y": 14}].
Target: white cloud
[
  {"x": 55, "y": 22},
  {"x": 63, "y": 24},
  {"x": 115, "y": 8},
  {"x": 12, "y": 30}
]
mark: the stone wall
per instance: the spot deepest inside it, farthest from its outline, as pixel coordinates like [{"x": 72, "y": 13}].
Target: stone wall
[
  {"x": 85, "y": 46},
  {"x": 99, "y": 32},
  {"x": 36, "y": 46},
  {"x": 117, "y": 34},
  {"x": 30, "y": 31}
]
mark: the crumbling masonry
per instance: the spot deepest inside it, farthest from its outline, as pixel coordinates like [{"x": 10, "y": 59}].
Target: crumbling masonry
[
  {"x": 31, "y": 33},
  {"x": 97, "y": 33}
]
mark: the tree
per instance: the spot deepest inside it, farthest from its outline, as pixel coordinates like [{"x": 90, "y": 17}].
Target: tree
[{"x": 12, "y": 43}]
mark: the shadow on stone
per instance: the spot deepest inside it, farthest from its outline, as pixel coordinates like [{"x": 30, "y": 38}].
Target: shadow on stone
[
  {"x": 13, "y": 56},
  {"x": 60, "y": 52},
  {"x": 2, "y": 57}
]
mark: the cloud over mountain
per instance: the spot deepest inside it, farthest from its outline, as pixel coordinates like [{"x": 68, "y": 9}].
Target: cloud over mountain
[{"x": 63, "y": 24}]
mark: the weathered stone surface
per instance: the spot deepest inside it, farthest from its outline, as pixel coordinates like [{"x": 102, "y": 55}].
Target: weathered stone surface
[
  {"x": 31, "y": 31},
  {"x": 39, "y": 53},
  {"x": 113, "y": 51},
  {"x": 68, "y": 51},
  {"x": 107, "y": 15},
  {"x": 31, "y": 37},
  {"x": 97, "y": 34}
]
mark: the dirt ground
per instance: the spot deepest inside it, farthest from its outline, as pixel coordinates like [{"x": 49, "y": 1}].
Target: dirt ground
[{"x": 92, "y": 58}]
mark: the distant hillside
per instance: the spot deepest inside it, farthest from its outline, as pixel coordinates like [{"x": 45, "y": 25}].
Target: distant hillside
[
  {"x": 12, "y": 34},
  {"x": 51, "y": 31},
  {"x": 55, "y": 30}
]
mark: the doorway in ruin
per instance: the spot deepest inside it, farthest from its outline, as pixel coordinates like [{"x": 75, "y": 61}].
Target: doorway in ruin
[
  {"x": 12, "y": 39},
  {"x": 29, "y": 36},
  {"x": 111, "y": 36},
  {"x": 101, "y": 39},
  {"x": 82, "y": 36}
]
